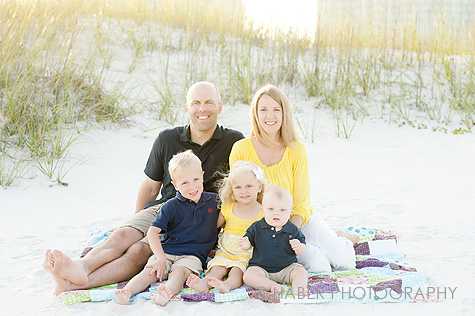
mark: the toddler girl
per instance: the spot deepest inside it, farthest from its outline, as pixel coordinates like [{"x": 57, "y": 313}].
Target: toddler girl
[{"x": 241, "y": 194}]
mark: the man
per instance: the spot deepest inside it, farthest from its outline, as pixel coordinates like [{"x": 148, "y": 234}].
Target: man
[{"x": 126, "y": 250}]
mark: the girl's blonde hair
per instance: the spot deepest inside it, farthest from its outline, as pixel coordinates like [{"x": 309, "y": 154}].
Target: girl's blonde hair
[
  {"x": 225, "y": 188},
  {"x": 288, "y": 131}
]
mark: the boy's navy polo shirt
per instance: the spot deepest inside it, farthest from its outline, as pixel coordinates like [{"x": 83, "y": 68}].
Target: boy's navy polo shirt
[
  {"x": 214, "y": 156},
  {"x": 189, "y": 228},
  {"x": 272, "y": 250}
]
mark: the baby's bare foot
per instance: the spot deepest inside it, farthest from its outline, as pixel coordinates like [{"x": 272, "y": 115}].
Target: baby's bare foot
[
  {"x": 163, "y": 295},
  {"x": 197, "y": 284},
  {"x": 220, "y": 285},
  {"x": 122, "y": 296}
]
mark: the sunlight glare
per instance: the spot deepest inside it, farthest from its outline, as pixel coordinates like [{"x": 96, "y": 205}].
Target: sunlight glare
[{"x": 299, "y": 16}]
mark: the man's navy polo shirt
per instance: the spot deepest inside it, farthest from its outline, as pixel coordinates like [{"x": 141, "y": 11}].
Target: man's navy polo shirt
[
  {"x": 272, "y": 250},
  {"x": 214, "y": 156},
  {"x": 189, "y": 228}
]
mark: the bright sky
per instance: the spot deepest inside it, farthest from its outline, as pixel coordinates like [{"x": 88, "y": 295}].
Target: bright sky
[{"x": 284, "y": 14}]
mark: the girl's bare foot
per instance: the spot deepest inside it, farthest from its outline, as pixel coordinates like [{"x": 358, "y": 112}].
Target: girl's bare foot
[
  {"x": 197, "y": 284},
  {"x": 67, "y": 269},
  {"x": 122, "y": 296},
  {"x": 163, "y": 295},
  {"x": 351, "y": 237},
  {"x": 220, "y": 285}
]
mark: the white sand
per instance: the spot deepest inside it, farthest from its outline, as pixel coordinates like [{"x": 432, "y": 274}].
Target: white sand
[{"x": 416, "y": 182}]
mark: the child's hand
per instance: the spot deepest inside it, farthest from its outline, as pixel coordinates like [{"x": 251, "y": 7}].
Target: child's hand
[
  {"x": 158, "y": 267},
  {"x": 244, "y": 243},
  {"x": 298, "y": 247}
]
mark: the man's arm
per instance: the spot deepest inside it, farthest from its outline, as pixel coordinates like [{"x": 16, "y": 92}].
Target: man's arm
[{"x": 148, "y": 191}]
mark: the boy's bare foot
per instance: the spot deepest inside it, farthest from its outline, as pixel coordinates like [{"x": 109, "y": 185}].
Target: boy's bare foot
[
  {"x": 220, "y": 285},
  {"x": 351, "y": 237},
  {"x": 62, "y": 285},
  {"x": 67, "y": 269},
  {"x": 163, "y": 295},
  {"x": 197, "y": 284},
  {"x": 122, "y": 296}
]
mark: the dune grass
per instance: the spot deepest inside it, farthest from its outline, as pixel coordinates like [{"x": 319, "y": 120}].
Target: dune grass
[{"x": 58, "y": 59}]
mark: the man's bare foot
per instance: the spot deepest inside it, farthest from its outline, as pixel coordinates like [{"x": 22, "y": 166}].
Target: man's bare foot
[
  {"x": 351, "y": 237},
  {"x": 62, "y": 285},
  {"x": 220, "y": 285},
  {"x": 122, "y": 296},
  {"x": 163, "y": 295},
  {"x": 197, "y": 284},
  {"x": 67, "y": 269}
]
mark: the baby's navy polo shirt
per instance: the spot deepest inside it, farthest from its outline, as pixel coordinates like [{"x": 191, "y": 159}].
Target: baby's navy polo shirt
[
  {"x": 189, "y": 228},
  {"x": 272, "y": 250}
]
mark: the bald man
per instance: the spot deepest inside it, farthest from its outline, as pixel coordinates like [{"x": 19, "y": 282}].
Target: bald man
[{"x": 126, "y": 251}]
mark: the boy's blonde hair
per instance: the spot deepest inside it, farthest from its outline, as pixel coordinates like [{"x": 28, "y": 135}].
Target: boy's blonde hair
[
  {"x": 182, "y": 160},
  {"x": 287, "y": 130},
  {"x": 225, "y": 188},
  {"x": 280, "y": 193}
]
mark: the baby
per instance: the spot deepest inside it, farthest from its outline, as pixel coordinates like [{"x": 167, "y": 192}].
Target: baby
[{"x": 277, "y": 242}]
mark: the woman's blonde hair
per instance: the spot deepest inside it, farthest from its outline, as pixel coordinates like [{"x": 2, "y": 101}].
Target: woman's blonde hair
[
  {"x": 225, "y": 188},
  {"x": 287, "y": 130}
]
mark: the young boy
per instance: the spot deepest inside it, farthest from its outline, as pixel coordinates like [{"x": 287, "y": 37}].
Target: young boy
[
  {"x": 277, "y": 243},
  {"x": 188, "y": 223}
]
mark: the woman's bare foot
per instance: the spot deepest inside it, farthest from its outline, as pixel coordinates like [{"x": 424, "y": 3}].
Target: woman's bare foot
[
  {"x": 197, "y": 284},
  {"x": 62, "y": 285},
  {"x": 122, "y": 296},
  {"x": 351, "y": 237},
  {"x": 67, "y": 269},
  {"x": 163, "y": 295},
  {"x": 220, "y": 285}
]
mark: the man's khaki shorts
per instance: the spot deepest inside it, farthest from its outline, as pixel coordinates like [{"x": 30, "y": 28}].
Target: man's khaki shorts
[
  {"x": 143, "y": 220},
  {"x": 283, "y": 276},
  {"x": 173, "y": 261}
]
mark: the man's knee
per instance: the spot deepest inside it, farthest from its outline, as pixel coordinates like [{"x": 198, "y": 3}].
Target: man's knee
[
  {"x": 139, "y": 252},
  {"x": 125, "y": 236}
]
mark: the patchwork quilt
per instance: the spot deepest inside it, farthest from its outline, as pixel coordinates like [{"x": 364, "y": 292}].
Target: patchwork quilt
[{"x": 381, "y": 275}]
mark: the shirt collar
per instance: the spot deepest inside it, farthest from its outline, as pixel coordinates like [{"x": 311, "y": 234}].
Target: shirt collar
[
  {"x": 205, "y": 196},
  {"x": 185, "y": 135},
  {"x": 287, "y": 228}
]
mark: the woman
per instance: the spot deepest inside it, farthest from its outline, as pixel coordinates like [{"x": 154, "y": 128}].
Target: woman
[{"x": 274, "y": 147}]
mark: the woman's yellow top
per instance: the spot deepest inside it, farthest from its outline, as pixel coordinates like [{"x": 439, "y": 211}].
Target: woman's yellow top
[{"x": 291, "y": 172}]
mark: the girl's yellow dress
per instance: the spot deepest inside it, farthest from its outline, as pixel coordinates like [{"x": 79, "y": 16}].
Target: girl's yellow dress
[{"x": 229, "y": 253}]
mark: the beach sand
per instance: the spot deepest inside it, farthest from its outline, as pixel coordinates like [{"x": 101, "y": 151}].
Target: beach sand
[{"x": 418, "y": 183}]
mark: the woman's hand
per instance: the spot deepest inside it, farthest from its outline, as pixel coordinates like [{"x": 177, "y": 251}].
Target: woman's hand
[
  {"x": 158, "y": 267},
  {"x": 298, "y": 247}
]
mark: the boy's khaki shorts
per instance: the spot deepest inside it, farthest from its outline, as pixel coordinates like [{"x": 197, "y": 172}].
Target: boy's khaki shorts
[
  {"x": 283, "y": 276},
  {"x": 173, "y": 261},
  {"x": 143, "y": 220}
]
